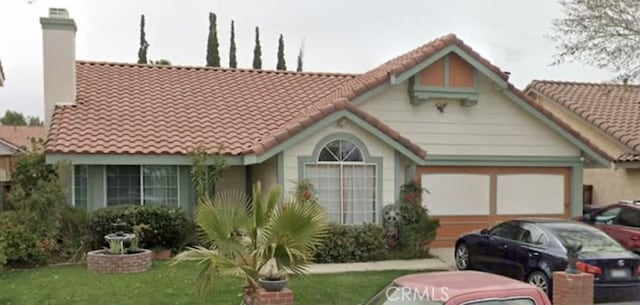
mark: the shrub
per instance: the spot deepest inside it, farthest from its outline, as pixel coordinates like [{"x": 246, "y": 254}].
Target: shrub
[
  {"x": 416, "y": 230},
  {"x": 23, "y": 241},
  {"x": 74, "y": 236},
  {"x": 166, "y": 227},
  {"x": 350, "y": 243}
]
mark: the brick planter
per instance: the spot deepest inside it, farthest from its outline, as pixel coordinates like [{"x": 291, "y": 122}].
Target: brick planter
[{"x": 100, "y": 261}]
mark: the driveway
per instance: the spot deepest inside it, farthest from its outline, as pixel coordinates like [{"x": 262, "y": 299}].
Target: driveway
[{"x": 445, "y": 255}]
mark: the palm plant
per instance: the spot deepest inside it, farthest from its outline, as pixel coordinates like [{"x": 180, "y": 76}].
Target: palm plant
[{"x": 242, "y": 237}]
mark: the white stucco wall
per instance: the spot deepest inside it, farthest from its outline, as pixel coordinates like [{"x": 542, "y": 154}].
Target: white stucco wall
[
  {"x": 375, "y": 147},
  {"x": 496, "y": 126}
]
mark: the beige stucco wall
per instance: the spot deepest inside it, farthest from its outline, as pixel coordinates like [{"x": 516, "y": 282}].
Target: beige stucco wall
[
  {"x": 612, "y": 185},
  {"x": 375, "y": 147},
  {"x": 496, "y": 126},
  {"x": 266, "y": 173},
  {"x": 233, "y": 178},
  {"x": 59, "y": 67}
]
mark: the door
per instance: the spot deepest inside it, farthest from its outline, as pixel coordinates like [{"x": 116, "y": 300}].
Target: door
[
  {"x": 498, "y": 241},
  {"x": 527, "y": 251}
]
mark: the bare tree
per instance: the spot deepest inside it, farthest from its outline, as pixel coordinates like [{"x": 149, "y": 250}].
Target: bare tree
[{"x": 600, "y": 33}]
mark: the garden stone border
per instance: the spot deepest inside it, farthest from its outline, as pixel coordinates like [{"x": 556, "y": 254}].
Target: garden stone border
[{"x": 101, "y": 262}]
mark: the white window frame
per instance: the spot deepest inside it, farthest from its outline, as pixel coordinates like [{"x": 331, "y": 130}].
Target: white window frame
[
  {"x": 73, "y": 184},
  {"x": 341, "y": 165}
]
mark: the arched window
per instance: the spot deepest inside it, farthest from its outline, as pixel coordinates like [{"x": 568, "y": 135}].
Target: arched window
[
  {"x": 345, "y": 181},
  {"x": 340, "y": 151}
]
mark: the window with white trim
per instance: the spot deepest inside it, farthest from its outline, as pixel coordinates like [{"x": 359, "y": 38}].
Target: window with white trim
[
  {"x": 149, "y": 184},
  {"x": 80, "y": 190},
  {"x": 345, "y": 184}
]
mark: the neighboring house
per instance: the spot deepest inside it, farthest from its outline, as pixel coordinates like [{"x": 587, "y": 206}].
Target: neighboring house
[
  {"x": 493, "y": 153},
  {"x": 609, "y": 115},
  {"x": 13, "y": 141}
]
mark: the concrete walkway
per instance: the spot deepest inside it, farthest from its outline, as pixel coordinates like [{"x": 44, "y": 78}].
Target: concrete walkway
[{"x": 415, "y": 264}]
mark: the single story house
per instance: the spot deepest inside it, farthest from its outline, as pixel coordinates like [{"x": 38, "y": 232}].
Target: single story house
[
  {"x": 14, "y": 140},
  {"x": 440, "y": 114},
  {"x": 609, "y": 115}
]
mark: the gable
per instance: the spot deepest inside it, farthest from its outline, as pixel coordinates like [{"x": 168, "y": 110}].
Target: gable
[{"x": 495, "y": 126}]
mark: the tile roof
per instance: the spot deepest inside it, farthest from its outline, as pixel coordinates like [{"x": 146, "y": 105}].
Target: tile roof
[
  {"x": 142, "y": 109},
  {"x": 615, "y": 109},
  {"x": 155, "y": 109},
  {"x": 21, "y": 136}
]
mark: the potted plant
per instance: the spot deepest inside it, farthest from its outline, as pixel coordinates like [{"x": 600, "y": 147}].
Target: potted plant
[{"x": 273, "y": 279}]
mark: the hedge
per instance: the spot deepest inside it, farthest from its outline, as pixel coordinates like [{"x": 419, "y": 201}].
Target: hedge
[{"x": 352, "y": 243}]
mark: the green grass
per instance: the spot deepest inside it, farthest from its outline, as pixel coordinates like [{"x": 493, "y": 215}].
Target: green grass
[{"x": 70, "y": 285}]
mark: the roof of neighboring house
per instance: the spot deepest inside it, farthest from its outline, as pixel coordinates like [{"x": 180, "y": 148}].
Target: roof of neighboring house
[
  {"x": 145, "y": 109},
  {"x": 20, "y": 136},
  {"x": 614, "y": 109}
]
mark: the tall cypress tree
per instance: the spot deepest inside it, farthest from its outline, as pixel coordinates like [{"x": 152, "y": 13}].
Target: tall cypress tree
[
  {"x": 213, "y": 55},
  {"x": 144, "y": 45},
  {"x": 300, "y": 59},
  {"x": 257, "y": 51},
  {"x": 281, "y": 65},
  {"x": 233, "y": 63}
]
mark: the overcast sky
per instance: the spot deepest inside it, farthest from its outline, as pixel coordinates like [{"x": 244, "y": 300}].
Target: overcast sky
[{"x": 338, "y": 35}]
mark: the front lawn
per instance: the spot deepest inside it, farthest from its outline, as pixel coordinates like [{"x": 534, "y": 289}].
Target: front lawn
[{"x": 70, "y": 285}]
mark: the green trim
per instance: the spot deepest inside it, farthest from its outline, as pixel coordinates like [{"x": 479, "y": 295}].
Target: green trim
[
  {"x": 397, "y": 161},
  {"x": 253, "y": 159},
  {"x": 58, "y": 24},
  {"x": 131, "y": 159},
  {"x": 533, "y": 161},
  {"x": 603, "y": 161},
  {"x": 420, "y": 97},
  {"x": 370, "y": 94},
  {"x": 368, "y": 159},
  {"x": 397, "y": 79},
  {"x": 576, "y": 190},
  {"x": 447, "y": 72}
]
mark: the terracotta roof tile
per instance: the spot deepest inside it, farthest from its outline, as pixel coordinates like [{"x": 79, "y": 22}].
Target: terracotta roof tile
[
  {"x": 21, "y": 136},
  {"x": 615, "y": 109},
  {"x": 142, "y": 109}
]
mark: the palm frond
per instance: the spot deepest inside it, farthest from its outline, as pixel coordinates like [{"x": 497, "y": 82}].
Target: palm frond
[{"x": 223, "y": 220}]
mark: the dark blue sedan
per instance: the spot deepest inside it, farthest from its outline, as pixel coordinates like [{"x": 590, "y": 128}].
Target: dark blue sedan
[{"x": 532, "y": 249}]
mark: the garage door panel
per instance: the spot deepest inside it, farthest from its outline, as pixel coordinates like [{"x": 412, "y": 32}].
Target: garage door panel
[
  {"x": 470, "y": 198},
  {"x": 445, "y": 197},
  {"x": 524, "y": 194}
]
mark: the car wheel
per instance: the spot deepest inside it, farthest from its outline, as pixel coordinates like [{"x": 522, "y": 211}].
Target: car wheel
[
  {"x": 540, "y": 280},
  {"x": 462, "y": 256}
]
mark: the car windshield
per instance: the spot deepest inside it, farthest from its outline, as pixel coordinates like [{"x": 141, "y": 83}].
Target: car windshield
[
  {"x": 591, "y": 239},
  {"x": 395, "y": 294}
]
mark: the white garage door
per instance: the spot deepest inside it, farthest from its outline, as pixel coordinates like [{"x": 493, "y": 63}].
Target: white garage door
[{"x": 471, "y": 198}]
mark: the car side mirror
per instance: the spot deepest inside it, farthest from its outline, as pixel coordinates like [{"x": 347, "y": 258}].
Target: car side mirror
[{"x": 484, "y": 232}]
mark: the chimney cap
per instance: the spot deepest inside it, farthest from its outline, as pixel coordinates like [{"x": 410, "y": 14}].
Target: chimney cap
[
  {"x": 58, "y": 19},
  {"x": 60, "y": 13}
]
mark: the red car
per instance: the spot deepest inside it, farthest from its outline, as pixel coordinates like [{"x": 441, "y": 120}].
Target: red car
[
  {"x": 457, "y": 288},
  {"x": 621, "y": 221}
]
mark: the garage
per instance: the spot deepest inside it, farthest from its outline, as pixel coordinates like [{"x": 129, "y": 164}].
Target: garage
[{"x": 466, "y": 198}]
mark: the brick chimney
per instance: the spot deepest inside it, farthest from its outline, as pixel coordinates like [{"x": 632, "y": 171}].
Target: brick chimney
[{"x": 59, "y": 50}]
